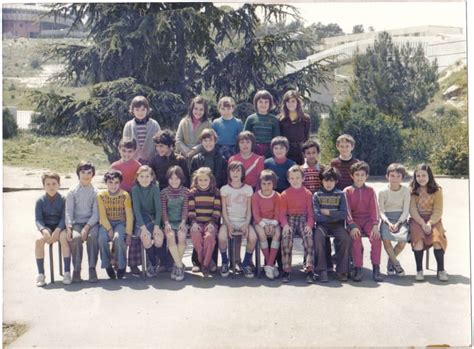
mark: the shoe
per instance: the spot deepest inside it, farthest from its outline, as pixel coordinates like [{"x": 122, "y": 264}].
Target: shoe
[
  {"x": 212, "y": 266},
  {"x": 357, "y": 274},
  {"x": 40, "y": 280},
  {"x": 276, "y": 272},
  {"x": 376, "y": 273},
  {"x": 92, "y": 275},
  {"x": 443, "y": 276},
  {"x": 135, "y": 270},
  {"x": 173, "y": 272},
  {"x": 390, "y": 268},
  {"x": 323, "y": 276},
  {"x": 268, "y": 272},
  {"x": 161, "y": 269},
  {"x": 248, "y": 272},
  {"x": 309, "y": 277},
  {"x": 286, "y": 277},
  {"x": 342, "y": 277},
  {"x": 419, "y": 276},
  {"x": 196, "y": 269},
  {"x": 120, "y": 273},
  {"x": 205, "y": 271},
  {"x": 76, "y": 276},
  {"x": 399, "y": 270},
  {"x": 151, "y": 271},
  {"x": 179, "y": 276},
  {"x": 67, "y": 278},
  {"x": 111, "y": 272},
  {"x": 225, "y": 270}
]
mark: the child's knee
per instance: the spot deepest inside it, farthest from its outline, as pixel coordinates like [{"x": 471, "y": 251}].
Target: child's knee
[{"x": 40, "y": 242}]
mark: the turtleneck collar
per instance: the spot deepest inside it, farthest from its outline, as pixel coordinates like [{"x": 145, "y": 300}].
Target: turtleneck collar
[{"x": 143, "y": 121}]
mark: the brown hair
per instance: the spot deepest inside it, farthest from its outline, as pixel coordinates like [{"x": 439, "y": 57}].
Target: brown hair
[
  {"x": 112, "y": 174},
  {"x": 396, "y": 167},
  {"x": 198, "y": 100},
  {"x": 52, "y": 175},
  {"x": 295, "y": 168},
  {"x": 330, "y": 174},
  {"x": 128, "y": 143},
  {"x": 234, "y": 165},
  {"x": 263, "y": 94},
  {"x": 138, "y": 102},
  {"x": 208, "y": 133},
  {"x": 285, "y": 113},
  {"x": 431, "y": 186},
  {"x": 360, "y": 166},
  {"x": 269, "y": 175},
  {"x": 280, "y": 140},
  {"x": 226, "y": 102},
  {"x": 85, "y": 165},
  {"x": 144, "y": 168},
  {"x": 345, "y": 138},
  {"x": 176, "y": 170},
  {"x": 247, "y": 135},
  {"x": 204, "y": 171}
]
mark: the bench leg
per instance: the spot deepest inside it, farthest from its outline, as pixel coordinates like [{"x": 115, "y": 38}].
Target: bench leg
[
  {"x": 144, "y": 266},
  {"x": 232, "y": 244},
  {"x": 51, "y": 263},
  {"x": 257, "y": 258},
  {"x": 60, "y": 256},
  {"x": 427, "y": 259}
]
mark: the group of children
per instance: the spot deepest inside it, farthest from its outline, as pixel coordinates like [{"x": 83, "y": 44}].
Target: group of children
[{"x": 262, "y": 181}]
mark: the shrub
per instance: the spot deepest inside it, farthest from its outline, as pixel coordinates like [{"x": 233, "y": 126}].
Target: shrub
[
  {"x": 453, "y": 158},
  {"x": 10, "y": 127}
]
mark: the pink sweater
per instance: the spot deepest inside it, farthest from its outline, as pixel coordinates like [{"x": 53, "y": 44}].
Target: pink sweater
[
  {"x": 362, "y": 206},
  {"x": 296, "y": 202},
  {"x": 265, "y": 207}
]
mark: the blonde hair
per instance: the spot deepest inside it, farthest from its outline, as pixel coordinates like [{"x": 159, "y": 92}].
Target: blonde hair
[
  {"x": 145, "y": 168},
  {"x": 294, "y": 169},
  {"x": 345, "y": 138},
  {"x": 51, "y": 175},
  {"x": 204, "y": 171}
]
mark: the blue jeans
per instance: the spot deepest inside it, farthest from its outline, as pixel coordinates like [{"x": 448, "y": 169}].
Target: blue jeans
[{"x": 118, "y": 242}]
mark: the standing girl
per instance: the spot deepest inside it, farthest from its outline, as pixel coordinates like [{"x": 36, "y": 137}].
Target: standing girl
[
  {"x": 294, "y": 125},
  {"x": 191, "y": 126},
  {"x": 204, "y": 214},
  {"x": 147, "y": 210},
  {"x": 174, "y": 203},
  {"x": 426, "y": 209}
]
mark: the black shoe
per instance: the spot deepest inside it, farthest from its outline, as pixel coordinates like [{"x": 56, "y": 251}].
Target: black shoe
[
  {"x": 309, "y": 277},
  {"x": 110, "y": 272},
  {"x": 135, "y": 270},
  {"x": 120, "y": 273},
  {"x": 357, "y": 274},
  {"x": 342, "y": 277},
  {"x": 92, "y": 275},
  {"x": 286, "y": 277},
  {"x": 376, "y": 274},
  {"x": 323, "y": 276}
]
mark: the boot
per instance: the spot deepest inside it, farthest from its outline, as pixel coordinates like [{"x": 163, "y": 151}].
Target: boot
[
  {"x": 376, "y": 273},
  {"x": 357, "y": 274}
]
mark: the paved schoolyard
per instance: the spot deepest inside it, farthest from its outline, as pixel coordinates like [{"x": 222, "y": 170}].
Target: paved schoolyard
[{"x": 224, "y": 313}]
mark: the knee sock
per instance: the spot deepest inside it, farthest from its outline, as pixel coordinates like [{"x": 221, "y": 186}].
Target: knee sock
[
  {"x": 40, "y": 265},
  {"x": 175, "y": 254},
  {"x": 439, "y": 255},
  {"x": 265, "y": 250},
  {"x": 67, "y": 264},
  {"x": 273, "y": 252},
  {"x": 248, "y": 256},
  {"x": 419, "y": 260},
  {"x": 150, "y": 253},
  {"x": 225, "y": 259}
]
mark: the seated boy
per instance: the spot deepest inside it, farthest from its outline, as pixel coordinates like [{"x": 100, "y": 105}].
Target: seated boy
[
  {"x": 279, "y": 163},
  {"x": 363, "y": 219},
  {"x": 116, "y": 221},
  {"x": 296, "y": 217},
  {"x": 49, "y": 219},
  {"x": 312, "y": 168},
  {"x": 227, "y": 127},
  {"x": 345, "y": 145},
  {"x": 82, "y": 217},
  {"x": 127, "y": 164},
  {"x": 330, "y": 212}
]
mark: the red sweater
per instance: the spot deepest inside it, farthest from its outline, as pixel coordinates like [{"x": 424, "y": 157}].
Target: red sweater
[
  {"x": 253, "y": 166},
  {"x": 265, "y": 207},
  {"x": 362, "y": 206},
  {"x": 129, "y": 170},
  {"x": 296, "y": 202}
]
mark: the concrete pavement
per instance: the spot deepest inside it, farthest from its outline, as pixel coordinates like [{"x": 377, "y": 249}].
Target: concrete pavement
[{"x": 222, "y": 313}]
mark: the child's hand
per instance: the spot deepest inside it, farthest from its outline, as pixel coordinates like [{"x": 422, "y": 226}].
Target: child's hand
[
  {"x": 307, "y": 229},
  {"x": 375, "y": 234},
  {"x": 84, "y": 234},
  {"x": 69, "y": 234},
  {"x": 46, "y": 235},
  {"x": 195, "y": 227},
  {"x": 230, "y": 230},
  {"x": 286, "y": 230},
  {"x": 55, "y": 236},
  {"x": 325, "y": 211},
  {"x": 128, "y": 240},
  {"x": 144, "y": 232},
  {"x": 110, "y": 232},
  {"x": 426, "y": 228},
  {"x": 168, "y": 229},
  {"x": 268, "y": 229},
  {"x": 211, "y": 228},
  {"x": 183, "y": 226},
  {"x": 355, "y": 233}
]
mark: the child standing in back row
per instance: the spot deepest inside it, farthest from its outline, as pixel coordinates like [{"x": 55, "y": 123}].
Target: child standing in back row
[
  {"x": 263, "y": 124},
  {"x": 345, "y": 145},
  {"x": 426, "y": 228},
  {"x": 279, "y": 163},
  {"x": 227, "y": 127}
]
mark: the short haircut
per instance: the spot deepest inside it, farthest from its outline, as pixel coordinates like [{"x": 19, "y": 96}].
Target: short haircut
[
  {"x": 165, "y": 137},
  {"x": 84, "y": 166},
  {"x": 198, "y": 100},
  {"x": 234, "y": 165},
  {"x": 113, "y": 174},
  {"x": 269, "y": 175},
  {"x": 204, "y": 171},
  {"x": 176, "y": 170},
  {"x": 128, "y": 143},
  {"x": 280, "y": 140},
  {"x": 310, "y": 144},
  {"x": 396, "y": 167},
  {"x": 145, "y": 168},
  {"x": 294, "y": 169},
  {"x": 330, "y": 174},
  {"x": 360, "y": 166},
  {"x": 138, "y": 102},
  {"x": 345, "y": 138},
  {"x": 263, "y": 94},
  {"x": 226, "y": 102},
  {"x": 51, "y": 175},
  {"x": 208, "y": 133},
  {"x": 247, "y": 135}
]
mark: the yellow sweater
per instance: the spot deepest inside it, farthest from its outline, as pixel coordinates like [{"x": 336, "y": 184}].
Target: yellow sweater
[
  {"x": 427, "y": 204},
  {"x": 116, "y": 207}
]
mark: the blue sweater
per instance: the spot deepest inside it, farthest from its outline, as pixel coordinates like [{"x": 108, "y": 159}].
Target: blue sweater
[
  {"x": 227, "y": 130},
  {"x": 335, "y": 201},
  {"x": 49, "y": 212},
  {"x": 281, "y": 172}
]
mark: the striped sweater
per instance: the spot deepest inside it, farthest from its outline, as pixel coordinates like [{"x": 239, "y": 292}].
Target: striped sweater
[
  {"x": 344, "y": 168},
  {"x": 204, "y": 206},
  {"x": 170, "y": 193},
  {"x": 116, "y": 207},
  {"x": 264, "y": 127}
]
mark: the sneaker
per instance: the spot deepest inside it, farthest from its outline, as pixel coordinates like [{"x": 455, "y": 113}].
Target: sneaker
[
  {"x": 76, "y": 276},
  {"x": 173, "y": 272},
  {"x": 399, "y": 270},
  {"x": 268, "y": 272},
  {"x": 276, "y": 272},
  {"x": 419, "y": 276},
  {"x": 212, "y": 266},
  {"x": 248, "y": 272},
  {"x": 309, "y": 277},
  {"x": 323, "y": 276},
  {"x": 92, "y": 275},
  {"x": 40, "y": 280},
  {"x": 390, "y": 268},
  {"x": 357, "y": 274},
  {"x": 179, "y": 276},
  {"x": 342, "y": 277},
  {"x": 376, "y": 274},
  {"x": 225, "y": 270},
  {"x": 151, "y": 271},
  {"x": 110, "y": 272},
  {"x": 67, "y": 278},
  {"x": 120, "y": 273},
  {"x": 196, "y": 269},
  {"x": 135, "y": 270},
  {"x": 286, "y": 277},
  {"x": 443, "y": 276}
]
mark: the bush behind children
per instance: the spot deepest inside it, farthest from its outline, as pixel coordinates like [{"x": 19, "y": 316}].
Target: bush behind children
[{"x": 234, "y": 191}]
